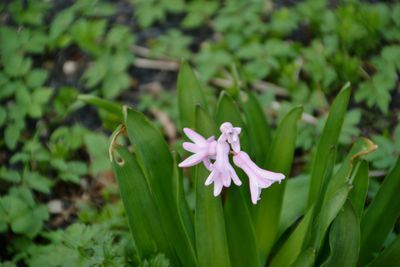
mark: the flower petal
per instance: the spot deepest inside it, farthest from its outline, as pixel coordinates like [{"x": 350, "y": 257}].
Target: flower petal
[
  {"x": 218, "y": 184},
  {"x": 210, "y": 178},
  {"x": 254, "y": 191},
  {"x": 234, "y": 176},
  {"x": 192, "y": 160},
  {"x": 195, "y": 137},
  {"x": 191, "y": 147}
]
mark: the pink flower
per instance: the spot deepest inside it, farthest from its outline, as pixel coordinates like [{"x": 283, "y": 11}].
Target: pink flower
[
  {"x": 258, "y": 178},
  {"x": 230, "y": 134},
  {"x": 203, "y": 149},
  {"x": 222, "y": 171}
]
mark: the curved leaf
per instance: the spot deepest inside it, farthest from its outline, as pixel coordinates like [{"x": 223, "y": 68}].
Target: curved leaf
[
  {"x": 239, "y": 225},
  {"x": 280, "y": 157},
  {"x": 329, "y": 138},
  {"x": 258, "y": 129},
  {"x": 211, "y": 242},
  {"x": 390, "y": 257},
  {"x": 156, "y": 160},
  {"x": 344, "y": 239},
  {"x": 380, "y": 216},
  {"x": 190, "y": 95}
]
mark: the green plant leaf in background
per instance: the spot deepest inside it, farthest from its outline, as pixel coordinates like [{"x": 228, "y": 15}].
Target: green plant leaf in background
[
  {"x": 190, "y": 95},
  {"x": 268, "y": 210},
  {"x": 239, "y": 224},
  {"x": 185, "y": 214},
  {"x": 140, "y": 207},
  {"x": 344, "y": 239},
  {"x": 390, "y": 257},
  {"x": 329, "y": 138},
  {"x": 147, "y": 142},
  {"x": 211, "y": 242},
  {"x": 380, "y": 216},
  {"x": 257, "y": 127},
  {"x": 359, "y": 193}
]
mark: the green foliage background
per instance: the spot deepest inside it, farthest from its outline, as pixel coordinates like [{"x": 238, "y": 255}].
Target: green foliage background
[{"x": 56, "y": 186}]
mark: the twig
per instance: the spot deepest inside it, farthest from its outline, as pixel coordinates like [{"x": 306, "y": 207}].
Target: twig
[{"x": 156, "y": 64}]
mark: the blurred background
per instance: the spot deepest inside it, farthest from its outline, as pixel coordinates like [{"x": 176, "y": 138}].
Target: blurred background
[{"x": 59, "y": 203}]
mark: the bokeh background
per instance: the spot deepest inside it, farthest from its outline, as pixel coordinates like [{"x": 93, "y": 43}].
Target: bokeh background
[{"x": 59, "y": 203}]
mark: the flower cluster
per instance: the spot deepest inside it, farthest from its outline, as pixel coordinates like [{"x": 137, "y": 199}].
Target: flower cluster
[{"x": 214, "y": 154}]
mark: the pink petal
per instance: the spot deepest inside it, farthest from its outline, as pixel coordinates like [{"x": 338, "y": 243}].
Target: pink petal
[
  {"x": 191, "y": 147},
  {"x": 254, "y": 191},
  {"x": 226, "y": 179},
  {"x": 234, "y": 176},
  {"x": 235, "y": 146},
  {"x": 207, "y": 163},
  {"x": 274, "y": 176},
  {"x": 218, "y": 184},
  {"x": 192, "y": 160},
  {"x": 210, "y": 178},
  {"x": 195, "y": 137}
]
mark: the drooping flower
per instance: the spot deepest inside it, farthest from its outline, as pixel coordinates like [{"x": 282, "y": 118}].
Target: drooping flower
[
  {"x": 258, "y": 178},
  {"x": 203, "y": 149},
  {"x": 222, "y": 171},
  {"x": 230, "y": 134}
]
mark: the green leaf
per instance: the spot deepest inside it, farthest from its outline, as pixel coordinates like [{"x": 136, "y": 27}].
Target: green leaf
[
  {"x": 361, "y": 147},
  {"x": 294, "y": 201},
  {"x": 359, "y": 193},
  {"x": 61, "y": 22},
  {"x": 257, "y": 127},
  {"x": 190, "y": 95},
  {"x": 279, "y": 159},
  {"x": 185, "y": 213},
  {"x": 211, "y": 242},
  {"x": 344, "y": 239},
  {"x": 11, "y": 135},
  {"x": 156, "y": 160},
  {"x": 329, "y": 138},
  {"x": 36, "y": 78},
  {"x": 114, "y": 109},
  {"x": 239, "y": 225},
  {"x": 145, "y": 227},
  {"x": 380, "y": 216},
  {"x": 291, "y": 249},
  {"x": 306, "y": 259},
  {"x": 390, "y": 257}
]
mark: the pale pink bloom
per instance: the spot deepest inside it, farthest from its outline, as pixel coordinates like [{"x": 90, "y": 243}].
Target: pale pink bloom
[
  {"x": 258, "y": 178},
  {"x": 222, "y": 171},
  {"x": 230, "y": 134},
  {"x": 203, "y": 149}
]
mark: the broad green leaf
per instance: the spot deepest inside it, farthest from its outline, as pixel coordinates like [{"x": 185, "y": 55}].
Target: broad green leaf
[
  {"x": 156, "y": 160},
  {"x": 306, "y": 259},
  {"x": 257, "y": 127},
  {"x": 190, "y": 95},
  {"x": 11, "y": 135},
  {"x": 291, "y": 249},
  {"x": 239, "y": 225},
  {"x": 390, "y": 257},
  {"x": 112, "y": 108},
  {"x": 329, "y": 138},
  {"x": 360, "y": 190},
  {"x": 294, "y": 201},
  {"x": 344, "y": 238},
  {"x": 361, "y": 147},
  {"x": 268, "y": 210},
  {"x": 380, "y": 216},
  {"x": 185, "y": 214},
  {"x": 145, "y": 227},
  {"x": 211, "y": 242}
]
